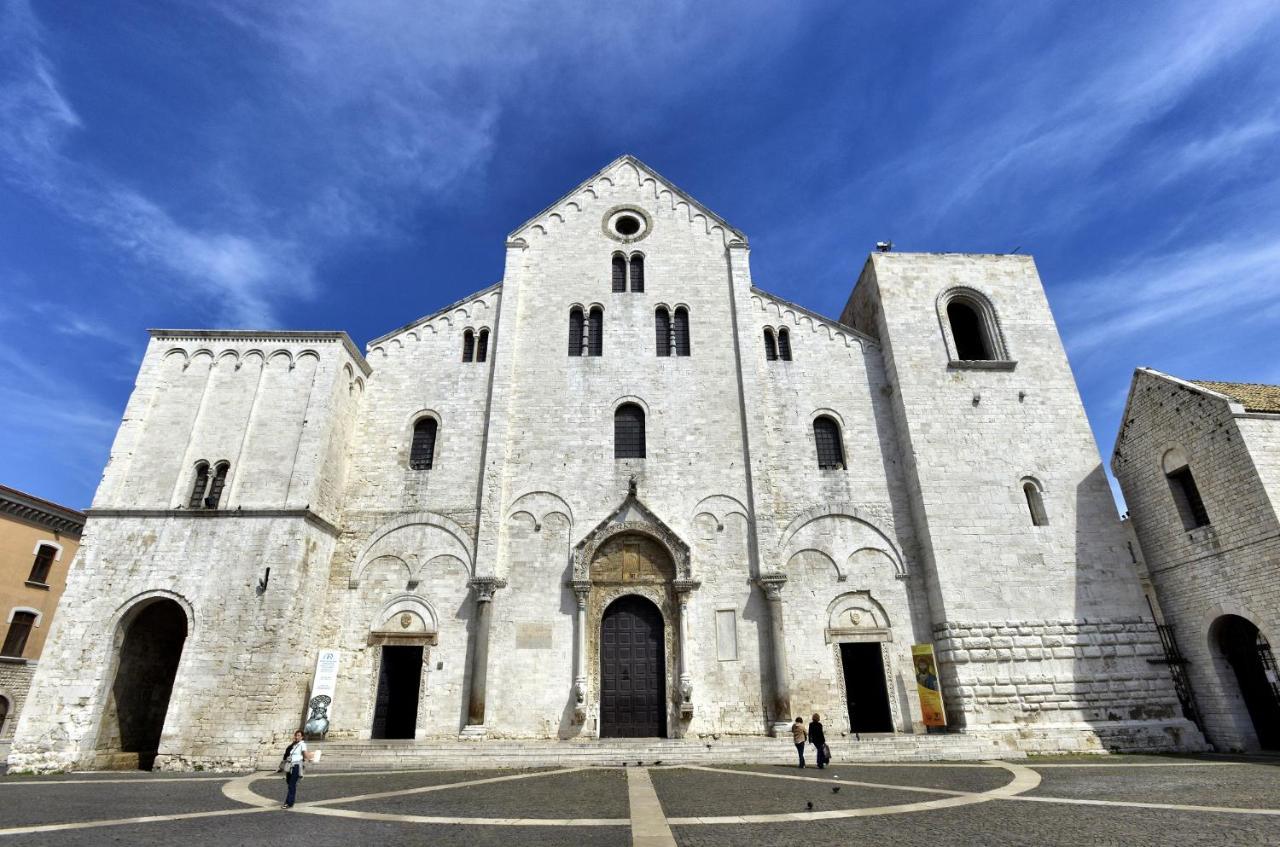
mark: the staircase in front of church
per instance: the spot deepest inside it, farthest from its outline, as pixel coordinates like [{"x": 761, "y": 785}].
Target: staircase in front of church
[{"x": 380, "y": 755}]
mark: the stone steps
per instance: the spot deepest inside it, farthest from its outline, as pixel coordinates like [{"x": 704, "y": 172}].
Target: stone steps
[{"x": 443, "y": 754}]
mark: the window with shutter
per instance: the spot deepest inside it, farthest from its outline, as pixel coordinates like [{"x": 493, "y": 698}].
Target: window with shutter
[
  {"x": 482, "y": 346},
  {"x": 619, "y": 273},
  {"x": 1035, "y": 504},
  {"x": 43, "y": 564},
  {"x": 595, "y": 332},
  {"x": 628, "y": 432},
  {"x": 575, "y": 331},
  {"x": 681, "y": 333},
  {"x": 637, "y": 272},
  {"x": 216, "y": 485},
  {"x": 770, "y": 346},
  {"x": 15, "y": 640},
  {"x": 662, "y": 330},
  {"x": 468, "y": 346},
  {"x": 784, "y": 344},
  {"x": 423, "y": 450},
  {"x": 826, "y": 436},
  {"x": 200, "y": 485}
]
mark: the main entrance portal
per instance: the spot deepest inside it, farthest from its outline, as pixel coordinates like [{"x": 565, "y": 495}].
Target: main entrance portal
[
  {"x": 632, "y": 670},
  {"x": 395, "y": 711},
  {"x": 1250, "y": 656},
  {"x": 864, "y": 687}
]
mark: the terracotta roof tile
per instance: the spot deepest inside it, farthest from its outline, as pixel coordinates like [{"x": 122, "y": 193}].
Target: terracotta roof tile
[{"x": 1251, "y": 395}]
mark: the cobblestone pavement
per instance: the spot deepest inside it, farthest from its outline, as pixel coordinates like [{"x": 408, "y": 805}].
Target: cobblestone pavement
[{"x": 1117, "y": 800}]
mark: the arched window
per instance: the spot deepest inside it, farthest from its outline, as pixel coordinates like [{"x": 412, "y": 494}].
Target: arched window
[
  {"x": 423, "y": 450},
  {"x": 199, "y": 486},
  {"x": 628, "y": 432},
  {"x": 482, "y": 346},
  {"x": 40, "y": 568},
  {"x": 595, "y": 332},
  {"x": 619, "y": 273},
  {"x": 680, "y": 332},
  {"x": 216, "y": 485},
  {"x": 826, "y": 436},
  {"x": 15, "y": 640},
  {"x": 966, "y": 330},
  {"x": 575, "y": 331},
  {"x": 784, "y": 344},
  {"x": 1035, "y": 503},
  {"x": 637, "y": 272},
  {"x": 770, "y": 346},
  {"x": 1187, "y": 498},
  {"x": 662, "y": 330},
  {"x": 468, "y": 346}
]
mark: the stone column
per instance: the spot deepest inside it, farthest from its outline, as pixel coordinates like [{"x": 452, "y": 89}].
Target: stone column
[
  {"x": 581, "y": 588},
  {"x": 683, "y": 587},
  {"x": 484, "y": 586},
  {"x": 772, "y": 583}
]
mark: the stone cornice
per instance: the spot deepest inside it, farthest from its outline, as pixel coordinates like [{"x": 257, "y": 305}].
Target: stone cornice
[
  {"x": 35, "y": 510},
  {"x": 211, "y": 514},
  {"x": 281, "y": 336}
]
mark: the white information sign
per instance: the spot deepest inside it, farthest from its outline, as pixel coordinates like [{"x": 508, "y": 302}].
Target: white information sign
[{"x": 323, "y": 687}]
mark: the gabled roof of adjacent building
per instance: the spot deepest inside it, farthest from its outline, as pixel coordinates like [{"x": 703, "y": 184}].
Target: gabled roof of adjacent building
[
  {"x": 1255, "y": 397},
  {"x": 36, "y": 510}
]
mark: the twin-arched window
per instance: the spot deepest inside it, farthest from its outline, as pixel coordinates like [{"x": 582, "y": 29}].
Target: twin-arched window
[
  {"x": 777, "y": 345},
  {"x": 422, "y": 451},
  {"x": 624, "y": 270},
  {"x": 830, "y": 447},
  {"x": 671, "y": 334},
  {"x": 628, "y": 432},
  {"x": 475, "y": 347},
  {"x": 586, "y": 335},
  {"x": 206, "y": 489}
]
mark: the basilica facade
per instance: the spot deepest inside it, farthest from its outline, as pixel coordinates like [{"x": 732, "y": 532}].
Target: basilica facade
[{"x": 623, "y": 492}]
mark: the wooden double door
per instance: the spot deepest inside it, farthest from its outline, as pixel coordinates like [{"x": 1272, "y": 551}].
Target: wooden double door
[{"x": 633, "y": 685}]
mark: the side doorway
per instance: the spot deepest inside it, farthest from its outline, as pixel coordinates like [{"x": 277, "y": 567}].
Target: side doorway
[
  {"x": 866, "y": 691},
  {"x": 395, "y": 711}
]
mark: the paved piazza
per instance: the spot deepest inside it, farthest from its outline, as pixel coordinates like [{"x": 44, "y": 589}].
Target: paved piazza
[{"x": 1122, "y": 800}]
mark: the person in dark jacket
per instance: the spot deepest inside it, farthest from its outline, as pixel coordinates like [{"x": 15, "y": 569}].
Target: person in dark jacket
[{"x": 818, "y": 739}]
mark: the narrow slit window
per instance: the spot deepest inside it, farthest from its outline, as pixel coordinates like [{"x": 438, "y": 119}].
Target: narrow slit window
[
  {"x": 575, "y": 331},
  {"x": 43, "y": 564},
  {"x": 1187, "y": 497},
  {"x": 628, "y": 432},
  {"x": 595, "y": 332},
  {"x": 680, "y": 332},
  {"x": 637, "y": 273},
  {"x": 199, "y": 486},
  {"x": 784, "y": 344},
  {"x": 423, "y": 450},
  {"x": 826, "y": 437},
  {"x": 662, "y": 330},
  {"x": 770, "y": 346},
  {"x": 967, "y": 332},
  {"x": 619, "y": 273},
  {"x": 1035, "y": 504},
  {"x": 216, "y": 485},
  {"x": 468, "y": 346},
  {"x": 482, "y": 346},
  {"x": 15, "y": 640}
]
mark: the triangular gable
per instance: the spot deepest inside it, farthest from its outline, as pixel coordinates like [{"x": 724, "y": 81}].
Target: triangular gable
[
  {"x": 1151, "y": 373},
  {"x": 645, "y": 171},
  {"x": 631, "y": 515}
]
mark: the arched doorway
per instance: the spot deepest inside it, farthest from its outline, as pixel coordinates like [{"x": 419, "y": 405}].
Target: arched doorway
[
  {"x": 153, "y": 635},
  {"x": 632, "y": 670},
  {"x": 1249, "y": 655}
]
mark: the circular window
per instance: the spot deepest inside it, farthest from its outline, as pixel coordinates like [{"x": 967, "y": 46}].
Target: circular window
[{"x": 626, "y": 224}]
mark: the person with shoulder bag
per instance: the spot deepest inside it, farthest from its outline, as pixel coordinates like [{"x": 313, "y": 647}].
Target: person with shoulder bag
[
  {"x": 818, "y": 738},
  {"x": 295, "y": 757}
]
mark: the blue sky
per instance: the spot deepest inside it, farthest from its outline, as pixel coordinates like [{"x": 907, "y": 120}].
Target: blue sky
[{"x": 329, "y": 165}]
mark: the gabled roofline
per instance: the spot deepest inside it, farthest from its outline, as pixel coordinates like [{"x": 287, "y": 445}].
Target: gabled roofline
[
  {"x": 1235, "y": 407},
  {"x": 816, "y": 316},
  {"x": 267, "y": 335},
  {"x": 437, "y": 313},
  {"x": 627, "y": 157}
]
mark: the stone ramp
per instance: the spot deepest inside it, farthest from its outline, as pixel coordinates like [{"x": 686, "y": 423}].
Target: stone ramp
[{"x": 445, "y": 754}]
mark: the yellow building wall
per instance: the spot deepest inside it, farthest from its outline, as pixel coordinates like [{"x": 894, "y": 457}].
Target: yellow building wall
[{"x": 18, "y": 543}]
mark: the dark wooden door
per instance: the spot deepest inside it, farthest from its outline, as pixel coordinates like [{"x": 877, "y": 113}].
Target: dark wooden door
[{"x": 632, "y": 671}]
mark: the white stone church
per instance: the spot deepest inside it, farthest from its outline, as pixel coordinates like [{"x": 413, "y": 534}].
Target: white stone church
[{"x": 623, "y": 492}]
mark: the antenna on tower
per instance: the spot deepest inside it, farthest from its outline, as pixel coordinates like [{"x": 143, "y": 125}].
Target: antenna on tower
[{"x": 884, "y": 246}]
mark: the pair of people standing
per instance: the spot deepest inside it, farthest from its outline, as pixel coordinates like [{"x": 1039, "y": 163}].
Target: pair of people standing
[{"x": 815, "y": 736}]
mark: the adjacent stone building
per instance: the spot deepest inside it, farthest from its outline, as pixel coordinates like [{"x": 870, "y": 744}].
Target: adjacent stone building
[
  {"x": 623, "y": 492},
  {"x": 1199, "y": 464},
  {"x": 38, "y": 540}
]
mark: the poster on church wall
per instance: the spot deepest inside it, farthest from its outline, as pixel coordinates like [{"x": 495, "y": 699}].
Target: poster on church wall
[
  {"x": 926, "y": 670},
  {"x": 323, "y": 686}
]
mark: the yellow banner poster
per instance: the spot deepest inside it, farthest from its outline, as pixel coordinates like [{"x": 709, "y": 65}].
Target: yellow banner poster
[{"x": 927, "y": 684}]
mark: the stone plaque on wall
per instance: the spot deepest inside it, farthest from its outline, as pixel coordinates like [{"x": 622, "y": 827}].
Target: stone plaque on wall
[{"x": 533, "y": 636}]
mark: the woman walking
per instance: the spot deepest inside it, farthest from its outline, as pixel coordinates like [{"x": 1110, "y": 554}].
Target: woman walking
[
  {"x": 799, "y": 736},
  {"x": 294, "y": 755},
  {"x": 818, "y": 739}
]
